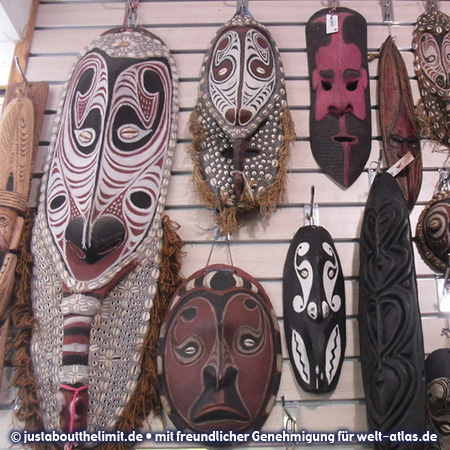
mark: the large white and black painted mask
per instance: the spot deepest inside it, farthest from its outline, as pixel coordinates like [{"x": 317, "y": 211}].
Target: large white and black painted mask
[{"x": 314, "y": 309}]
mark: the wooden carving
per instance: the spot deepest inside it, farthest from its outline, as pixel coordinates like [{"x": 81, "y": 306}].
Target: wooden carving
[{"x": 392, "y": 355}]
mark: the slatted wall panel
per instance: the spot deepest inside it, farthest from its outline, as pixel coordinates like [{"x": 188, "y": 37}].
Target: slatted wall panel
[{"x": 64, "y": 27}]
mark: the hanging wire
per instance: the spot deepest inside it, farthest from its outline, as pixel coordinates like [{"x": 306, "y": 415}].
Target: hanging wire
[
  {"x": 19, "y": 68},
  {"x": 217, "y": 235},
  {"x": 220, "y": 235}
]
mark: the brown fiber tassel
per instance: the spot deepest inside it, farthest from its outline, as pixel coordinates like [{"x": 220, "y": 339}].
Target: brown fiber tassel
[
  {"x": 28, "y": 410},
  {"x": 146, "y": 398}
]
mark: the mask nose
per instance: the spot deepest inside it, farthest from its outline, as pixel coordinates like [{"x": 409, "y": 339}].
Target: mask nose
[
  {"x": 318, "y": 311},
  {"x": 340, "y": 107},
  {"x": 107, "y": 234}
]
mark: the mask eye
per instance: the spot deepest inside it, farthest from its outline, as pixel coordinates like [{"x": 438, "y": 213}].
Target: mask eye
[
  {"x": 352, "y": 86},
  {"x": 249, "y": 343},
  {"x": 326, "y": 85},
  {"x": 396, "y": 141},
  {"x": 331, "y": 273},
  {"x": 304, "y": 273}
]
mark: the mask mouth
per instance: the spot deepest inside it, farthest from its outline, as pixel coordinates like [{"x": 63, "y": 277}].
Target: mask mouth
[{"x": 344, "y": 139}]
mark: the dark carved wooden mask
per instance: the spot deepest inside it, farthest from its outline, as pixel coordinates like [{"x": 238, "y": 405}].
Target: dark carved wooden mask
[
  {"x": 314, "y": 309},
  {"x": 392, "y": 355}
]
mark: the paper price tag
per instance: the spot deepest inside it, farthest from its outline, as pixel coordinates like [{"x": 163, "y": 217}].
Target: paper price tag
[
  {"x": 332, "y": 23},
  {"x": 401, "y": 164}
]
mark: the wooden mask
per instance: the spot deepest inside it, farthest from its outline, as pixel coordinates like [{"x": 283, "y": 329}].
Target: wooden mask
[
  {"x": 397, "y": 119},
  {"x": 433, "y": 231},
  {"x": 437, "y": 373},
  {"x": 431, "y": 45},
  {"x": 340, "y": 121},
  {"x": 241, "y": 125},
  {"x": 314, "y": 309},
  {"x": 219, "y": 355},
  {"x": 98, "y": 235},
  {"x": 390, "y": 331}
]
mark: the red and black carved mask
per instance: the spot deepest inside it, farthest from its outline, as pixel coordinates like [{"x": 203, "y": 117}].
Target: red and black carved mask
[
  {"x": 340, "y": 122},
  {"x": 108, "y": 166},
  {"x": 397, "y": 118},
  {"x": 314, "y": 309},
  {"x": 433, "y": 231},
  {"x": 219, "y": 355},
  {"x": 431, "y": 45}
]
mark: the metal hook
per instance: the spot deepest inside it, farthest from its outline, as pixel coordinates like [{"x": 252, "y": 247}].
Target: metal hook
[
  {"x": 131, "y": 19},
  {"x": 431, "y": 5},
  {"x": 242, "y": 8},
  {"x": 333, "y": 4},
  {"x": 388, "y": 11},
  {"x": 311, "y": 205},
  {"x": 444, "y": 175},
  {"x": 19, "y": 68},
  {"x": 289, "y": 422},
  {"x": 311, "y": 212}
]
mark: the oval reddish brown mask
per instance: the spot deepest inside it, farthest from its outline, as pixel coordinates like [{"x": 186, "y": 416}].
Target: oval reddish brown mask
[{"x": 219, "y": 353}]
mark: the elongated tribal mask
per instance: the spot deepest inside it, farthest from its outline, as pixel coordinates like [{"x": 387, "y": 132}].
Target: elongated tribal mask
[
  {"x": 390, "y": 330},
  {"x": 399, "y": 131},
  {"x": 340, "y": 121},
  {"x": 241, "y": 125},
  {"x": 16, "y": 154},
  {"x": 314, "y": 309},
  {"x": 220, "y": 337},
  {"x": 431, "y": 45},
  {"x": 98, "y": 236},
  {"x": 437, "y": 373}
]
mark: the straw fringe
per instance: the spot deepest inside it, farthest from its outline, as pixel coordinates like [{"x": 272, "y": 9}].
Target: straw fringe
[{"x": 267, "y": 202}]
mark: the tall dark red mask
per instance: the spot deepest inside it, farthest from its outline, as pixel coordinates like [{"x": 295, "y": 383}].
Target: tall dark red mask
[
  {"x": 219, "y": 356},
  {"x": 340, "y": 122}
]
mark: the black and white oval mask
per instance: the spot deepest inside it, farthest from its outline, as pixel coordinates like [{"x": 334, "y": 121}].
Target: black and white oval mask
[{"x": 314, "y": 309}]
